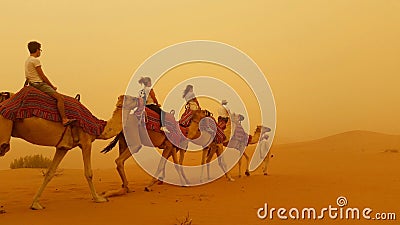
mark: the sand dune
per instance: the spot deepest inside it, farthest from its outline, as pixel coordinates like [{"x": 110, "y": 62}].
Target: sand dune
[{"x": 354, "y": 164}]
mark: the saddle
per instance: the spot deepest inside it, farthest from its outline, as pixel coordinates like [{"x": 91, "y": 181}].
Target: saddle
[
  {"x": 219, "y": 132},
  {"x": 186, "y": 118},
  {"x": 30, "y": 102},
  {"x": 238, "y": 138}
]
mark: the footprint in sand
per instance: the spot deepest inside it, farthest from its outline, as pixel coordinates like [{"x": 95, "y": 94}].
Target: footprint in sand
[{"x": 391, "y": 151}]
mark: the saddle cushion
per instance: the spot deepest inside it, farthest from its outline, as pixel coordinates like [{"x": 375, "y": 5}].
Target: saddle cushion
[
  {"x": 209, "y": 126},
  {"x": 186, "y": 118},
  {"x": 152, "y": 121},
  {"x": 240, "y": 134},
  {"x": 30, "y": 102}
]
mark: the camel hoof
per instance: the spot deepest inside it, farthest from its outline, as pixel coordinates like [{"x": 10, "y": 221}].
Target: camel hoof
[
  {"x": 231, "y": 179},
  {"x": 36, "y": 206},
  {"x": 247, "y": 173},
  {"x": 112, "y": 193},
  {"x": 160, "y": 182},
  {"x": 101, "y": 199},
  {"x": 147, "y": 189},
  {"x": 265, "y": 174}
]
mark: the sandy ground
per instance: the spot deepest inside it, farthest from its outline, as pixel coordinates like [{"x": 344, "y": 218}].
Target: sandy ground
[{"x": 362, "y": 166}]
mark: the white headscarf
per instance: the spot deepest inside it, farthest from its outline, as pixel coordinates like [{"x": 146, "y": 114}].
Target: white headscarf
[{"x": 189, "y": 96}]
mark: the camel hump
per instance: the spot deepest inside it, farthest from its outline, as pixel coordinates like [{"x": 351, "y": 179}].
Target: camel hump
[{"x": 30, "y": 102}]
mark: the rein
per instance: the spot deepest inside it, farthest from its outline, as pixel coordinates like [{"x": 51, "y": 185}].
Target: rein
[{"x": 62, "y": 136}]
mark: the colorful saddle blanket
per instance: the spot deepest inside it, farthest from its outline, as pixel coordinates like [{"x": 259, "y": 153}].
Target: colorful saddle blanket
[
  {"x": 219, "y": 133},
  {"x": 240, "y": 135},
  {"x": 151, "y": 120},
  {"x": 30, "y": 102},
  {"x": 186, "y": 118}
]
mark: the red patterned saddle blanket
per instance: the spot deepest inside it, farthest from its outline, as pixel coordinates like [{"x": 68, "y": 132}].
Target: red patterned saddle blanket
[
  {"x": 151, "y": 119},
  {"x": 219, "y": 132},
  {"x": 30, "y": 102},
  {"x": 186, "y": 118},
  {"x": 240, "y": 135}
]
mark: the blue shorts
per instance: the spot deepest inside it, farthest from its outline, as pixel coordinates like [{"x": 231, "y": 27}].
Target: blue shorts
[{"x": 44, "y": 87}]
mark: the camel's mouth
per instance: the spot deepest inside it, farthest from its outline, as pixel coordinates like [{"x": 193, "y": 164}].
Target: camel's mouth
[{"x": 4, "y": 149}]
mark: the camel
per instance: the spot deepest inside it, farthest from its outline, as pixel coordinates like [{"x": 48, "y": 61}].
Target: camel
[
  {"x": 236, "y": 144},
  {"x": 264, "y": 146},
  {"x": 213, "y": 148},
  {"x": 48, "y": 133},
  {"x": 157, "y": 140},
  {"x": 240, "y": 145},
  {"x": 137, "y": 140}
]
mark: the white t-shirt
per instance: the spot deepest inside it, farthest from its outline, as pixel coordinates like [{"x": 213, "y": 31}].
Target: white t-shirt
[
  {"x": 30, "y": 69},
  {"x": 145, "y": 93}
]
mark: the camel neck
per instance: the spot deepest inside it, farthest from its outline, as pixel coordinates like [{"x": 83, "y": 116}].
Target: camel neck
[
  {"x": 255, "y": 138},
  {"x": 114, "y": 125}
]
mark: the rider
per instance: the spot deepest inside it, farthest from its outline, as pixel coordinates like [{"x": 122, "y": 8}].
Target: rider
[
  {"x": 223, "y": 111},
  {"x": 191, "y": 100},
  {"x": 36, "y": 78},
  {"x": 149, "y": 96}
]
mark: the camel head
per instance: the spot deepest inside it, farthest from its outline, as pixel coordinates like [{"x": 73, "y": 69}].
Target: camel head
[
  {"x": 265, "y": 129},
  {"x": 127, "y": 102},
  {"x": 261, "y": 130},
  {"x": 237, "y": 118}
]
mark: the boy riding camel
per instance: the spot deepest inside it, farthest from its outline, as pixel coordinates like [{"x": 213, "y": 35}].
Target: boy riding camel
[{"x": 36, "y": 78}]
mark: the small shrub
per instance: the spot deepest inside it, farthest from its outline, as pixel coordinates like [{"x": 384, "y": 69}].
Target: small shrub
[
  {"x": 186, "y": 221},
  {"x": 31, "y": 161}
]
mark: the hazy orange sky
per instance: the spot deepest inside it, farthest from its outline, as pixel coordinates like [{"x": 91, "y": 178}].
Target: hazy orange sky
[{"x": 333, "y": 66}]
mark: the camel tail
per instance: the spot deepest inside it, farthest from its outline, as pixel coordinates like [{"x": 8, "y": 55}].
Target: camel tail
[{"x": 112, "y": 144}]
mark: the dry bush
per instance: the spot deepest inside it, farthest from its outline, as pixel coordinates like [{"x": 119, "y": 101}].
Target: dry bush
[
  {"x": 30, "y": 161},
  {"x": 186, "y": 221}
]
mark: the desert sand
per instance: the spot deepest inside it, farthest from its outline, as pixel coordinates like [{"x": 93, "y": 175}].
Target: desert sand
[{"x": 362, "y": 166}]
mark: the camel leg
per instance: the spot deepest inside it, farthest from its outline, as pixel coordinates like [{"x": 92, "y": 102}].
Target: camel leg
[
  {"x": 5, "y": 131},
  {"x": 181, "y": 158},
  {"x": 263, "y": 146},
  {"x": 240, "y": 166},
  {"x": 59, "y": 155},
  {"x": 223, "y": 165},
  {"x": 124, "y": 154},
  {"x": 212, "y": 150},
  {"x": 161, "y": 166},
  {"x": 247, "y": 173},
  {"x": 120, "y": 161},
  {"x": 86, "y": 153},
  {"x": 203, "y": 161},
  {"x": 266, "y": 161},
  {"x": 177, "y": 166}
]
